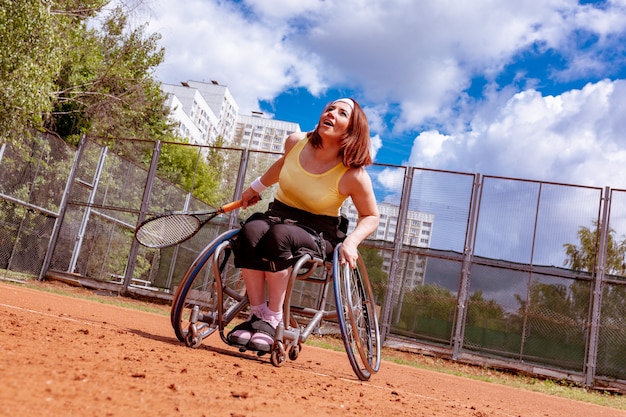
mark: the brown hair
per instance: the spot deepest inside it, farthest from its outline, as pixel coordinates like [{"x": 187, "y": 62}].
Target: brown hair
[{"x": 355, "y": 144}]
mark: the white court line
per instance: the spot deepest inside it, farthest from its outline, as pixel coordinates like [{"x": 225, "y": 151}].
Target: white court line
[{"x": 28, "y": 310}]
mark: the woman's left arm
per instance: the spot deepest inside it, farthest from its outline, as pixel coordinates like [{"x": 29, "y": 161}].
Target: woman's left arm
[{"x": 358, "y": 185}]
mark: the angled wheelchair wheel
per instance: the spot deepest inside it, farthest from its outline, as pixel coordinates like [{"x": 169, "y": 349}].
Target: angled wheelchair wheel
[
  {"x": 356, "y": 314},
  {"x": 210, "y": 290}
]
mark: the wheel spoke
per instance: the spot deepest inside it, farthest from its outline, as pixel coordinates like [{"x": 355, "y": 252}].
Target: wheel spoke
[
  {"x": 210, "y": 287},
  {"x": 357, "y": 318}
]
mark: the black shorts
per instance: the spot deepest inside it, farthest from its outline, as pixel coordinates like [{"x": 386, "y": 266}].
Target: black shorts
[{"x": 276, "y": 239}]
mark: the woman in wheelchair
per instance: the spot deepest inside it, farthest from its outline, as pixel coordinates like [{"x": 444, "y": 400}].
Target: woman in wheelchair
[{"x": 317, "y": 173}]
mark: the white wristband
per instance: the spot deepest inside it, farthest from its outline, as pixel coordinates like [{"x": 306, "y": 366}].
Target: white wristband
[{"x": 258, "y": 186}]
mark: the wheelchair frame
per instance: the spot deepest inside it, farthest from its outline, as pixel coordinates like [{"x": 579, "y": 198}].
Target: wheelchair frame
[{"x": 211, "y": 294}]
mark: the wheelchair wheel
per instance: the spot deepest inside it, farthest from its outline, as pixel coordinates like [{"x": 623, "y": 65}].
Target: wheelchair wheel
[
  {"x": 356, "y": 314},
  {"x": 210, "y": 290}
]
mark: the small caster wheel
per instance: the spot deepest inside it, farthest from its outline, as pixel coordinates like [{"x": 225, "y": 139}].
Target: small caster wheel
[
  {"x": 294, "y": 352},
  {"x": 192, "y": 339},
  {"x": 278, "y": 357}
]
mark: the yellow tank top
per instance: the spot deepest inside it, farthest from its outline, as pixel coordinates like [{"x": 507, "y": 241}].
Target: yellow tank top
[{"x": 315, "y": 193}]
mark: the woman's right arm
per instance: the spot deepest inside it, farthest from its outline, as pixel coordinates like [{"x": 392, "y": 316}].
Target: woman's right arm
[{"x": 251, "y": 197}]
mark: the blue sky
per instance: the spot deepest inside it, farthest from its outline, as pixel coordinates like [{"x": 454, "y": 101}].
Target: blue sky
[{"x": 454, "y": 85}]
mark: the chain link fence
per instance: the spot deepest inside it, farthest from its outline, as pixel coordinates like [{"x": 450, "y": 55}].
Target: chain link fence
[
  {"x": 523, "y": 274},
  {"x": 32, "y": 178}
]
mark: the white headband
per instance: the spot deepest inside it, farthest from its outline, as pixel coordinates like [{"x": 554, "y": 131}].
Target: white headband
[{"x": 348, "y": 101}]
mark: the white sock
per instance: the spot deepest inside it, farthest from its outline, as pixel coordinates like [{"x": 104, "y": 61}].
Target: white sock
[
  {"x": 273, "y": 317},
  {"x": 258, "y": 311}
]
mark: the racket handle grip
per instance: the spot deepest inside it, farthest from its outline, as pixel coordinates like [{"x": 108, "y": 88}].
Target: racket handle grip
[{"x": 231, "y": 206}]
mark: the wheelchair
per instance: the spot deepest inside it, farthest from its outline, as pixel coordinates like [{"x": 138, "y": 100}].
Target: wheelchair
[{"x": 212, "y": 293}]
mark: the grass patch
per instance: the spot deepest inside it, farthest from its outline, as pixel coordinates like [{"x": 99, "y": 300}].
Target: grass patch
[{"x": 564, "y": 389}]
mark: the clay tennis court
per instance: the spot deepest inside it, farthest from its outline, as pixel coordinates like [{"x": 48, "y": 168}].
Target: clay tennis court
[{"x": 66, "y": 356}]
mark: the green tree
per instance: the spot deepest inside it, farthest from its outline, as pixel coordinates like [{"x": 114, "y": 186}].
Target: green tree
[
  {"x": 374, "y": 265},
  {"x": 105, "y": 86},
  {"x": 219, "y": 165},
  {"x": 60, "y": 74},
  {"x": 558, "y": 312},
  {"x": 582, "y": 257},
  {"x": 30, "y": 58},
  {"x": 484, "y": 313},
  {"x": 432, "y": 301},
  {"x": 196, "y": 170}
]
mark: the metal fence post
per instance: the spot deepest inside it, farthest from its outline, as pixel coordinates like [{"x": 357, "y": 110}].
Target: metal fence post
[
  {"x": 145, "y": 200},
  {"x": 390, "y": 296},
  {"x": 54, "y": 236},
  {"x": 85, "y": 220},
  {"x": 596, "y": 297},
  {"x": 241, "y": 178},
  {"x": 466, "y": 274}
]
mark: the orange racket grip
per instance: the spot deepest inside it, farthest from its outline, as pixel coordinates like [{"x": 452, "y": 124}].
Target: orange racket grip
[{"x": 231, "y": 206}]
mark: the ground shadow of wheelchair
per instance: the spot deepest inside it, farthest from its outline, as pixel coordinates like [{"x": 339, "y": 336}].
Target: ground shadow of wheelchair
[{"x": 174, "y": 341}]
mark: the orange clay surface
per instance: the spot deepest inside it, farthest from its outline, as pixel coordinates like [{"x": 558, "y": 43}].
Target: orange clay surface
[{"x": 66, "y": 356}]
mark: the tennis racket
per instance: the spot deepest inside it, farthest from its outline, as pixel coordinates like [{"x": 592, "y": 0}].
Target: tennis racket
[{"x": 171, "y": 228}]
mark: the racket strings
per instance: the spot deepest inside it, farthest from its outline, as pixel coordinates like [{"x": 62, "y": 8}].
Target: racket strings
[{"x": 167, "y": 230}]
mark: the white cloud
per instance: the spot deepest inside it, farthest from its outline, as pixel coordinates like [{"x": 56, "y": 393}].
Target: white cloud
[
  {"x": 390, "y": 177},
  {"x": 282, "y": 10},
  {"x": 410, "y": 63},
  {"x": 419, "y": 56},
  {"x": 375, "y": 144},
  {"x": 214, "y": 41},
  {"x": 577, "y": 137}
]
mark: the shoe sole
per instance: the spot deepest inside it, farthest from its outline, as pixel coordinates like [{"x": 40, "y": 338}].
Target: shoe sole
[
  {"x": 238, "y": 340},
  {"x": 259, "y": 347}
]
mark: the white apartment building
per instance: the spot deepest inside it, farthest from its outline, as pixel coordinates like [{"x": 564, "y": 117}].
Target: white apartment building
[
  {"x": 258, "y": 133},
  {"x": 417, "y": 232},
  {"x": 195, "y": 119},
  {"x": 202, "y": 111},
  {"x": 206, "y": 111},
  {"x": 223, "y": 104}
]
